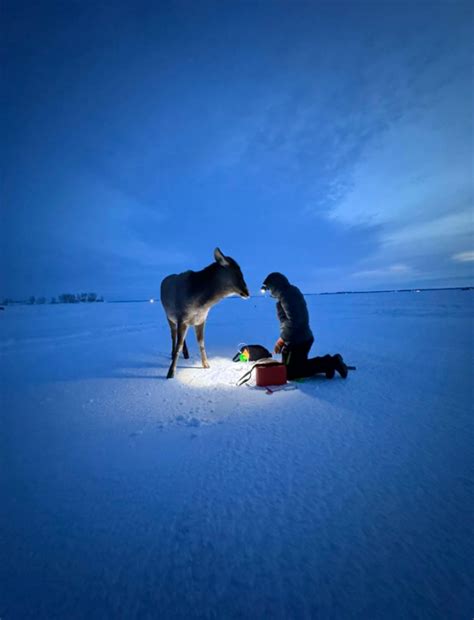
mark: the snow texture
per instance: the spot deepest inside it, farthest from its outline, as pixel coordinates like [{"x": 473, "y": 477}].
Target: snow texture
[{"x": 125, "y": 495}]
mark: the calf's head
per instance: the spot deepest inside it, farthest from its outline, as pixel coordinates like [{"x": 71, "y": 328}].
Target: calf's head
[{"x": 230, "y": 275}]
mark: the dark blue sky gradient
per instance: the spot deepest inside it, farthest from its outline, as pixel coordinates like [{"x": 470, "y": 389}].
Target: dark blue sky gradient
[{"x": 330, "y": 141}]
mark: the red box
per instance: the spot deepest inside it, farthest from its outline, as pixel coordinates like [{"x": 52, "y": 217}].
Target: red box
[{"x": 270, "y": 375}]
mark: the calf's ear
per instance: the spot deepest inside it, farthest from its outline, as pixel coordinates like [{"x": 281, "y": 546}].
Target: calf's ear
[{"x": 220, "y": 258}]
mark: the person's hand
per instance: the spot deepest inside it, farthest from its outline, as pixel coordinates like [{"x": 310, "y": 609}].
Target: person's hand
[{"x": 279, "y": 344}]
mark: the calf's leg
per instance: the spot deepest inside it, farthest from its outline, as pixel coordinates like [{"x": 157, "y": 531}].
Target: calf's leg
[
  {"x": 182, "y": 328},
  {"x": 199, "y": 329},
  {"x": 173, "y": 336}
]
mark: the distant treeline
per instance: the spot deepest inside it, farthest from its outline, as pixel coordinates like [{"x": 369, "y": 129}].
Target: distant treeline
[{"x": 64, "y": 298}]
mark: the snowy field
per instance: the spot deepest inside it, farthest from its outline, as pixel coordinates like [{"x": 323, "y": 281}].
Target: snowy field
[{"x": 125, "y": 495}]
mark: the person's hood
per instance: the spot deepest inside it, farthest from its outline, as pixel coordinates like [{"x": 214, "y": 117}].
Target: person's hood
[{"x": 276, "y": 283}]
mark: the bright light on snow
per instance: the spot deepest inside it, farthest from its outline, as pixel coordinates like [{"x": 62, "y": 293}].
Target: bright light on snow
[{"x": 223, "y": 373}]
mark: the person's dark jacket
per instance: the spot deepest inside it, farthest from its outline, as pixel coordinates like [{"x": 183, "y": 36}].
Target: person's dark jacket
[{"x": 291, "y": 309}]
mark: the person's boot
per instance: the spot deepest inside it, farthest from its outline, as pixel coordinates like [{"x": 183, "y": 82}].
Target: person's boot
[
  {"x": 339, "y": 365},
  {"x": 330, "y": 373},
  {"x": 323, "y": 365},
  {"x": 330, "y": 367}
]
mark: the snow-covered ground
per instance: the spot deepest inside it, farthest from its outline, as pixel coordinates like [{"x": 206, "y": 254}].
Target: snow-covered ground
[{"x": 125, "y": 495}]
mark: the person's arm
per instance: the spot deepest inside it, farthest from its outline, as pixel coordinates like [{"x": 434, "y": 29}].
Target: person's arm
[
  {"x": 280, "y": 343},
  {"x": 280, "y": 312},
  {"x": 289, "y": 320}
]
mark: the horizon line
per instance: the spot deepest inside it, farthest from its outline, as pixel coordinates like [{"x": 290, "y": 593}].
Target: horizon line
[{"x": 344, "y": 292}]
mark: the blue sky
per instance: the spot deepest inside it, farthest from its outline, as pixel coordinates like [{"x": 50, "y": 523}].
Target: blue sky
[{"x": 330, "y": 141}]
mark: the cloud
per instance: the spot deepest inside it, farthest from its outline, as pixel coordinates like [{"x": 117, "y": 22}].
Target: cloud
[
  {"x": 380, "y": 137},
  {"x": 450, "y": 226},
  {"x": 87, "y": 234},
  {"x": 396, "y": 271},
  {"x": 113, "y": 223},
  {"x": 419, "y": 164},
  {"x": 146, "y": 255},
  {"x": 463, "y": 257},
  {"x": 413, "y": 179}
]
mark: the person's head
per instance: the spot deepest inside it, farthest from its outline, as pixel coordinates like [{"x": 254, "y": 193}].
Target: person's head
[{"x": 275, "y": 283}]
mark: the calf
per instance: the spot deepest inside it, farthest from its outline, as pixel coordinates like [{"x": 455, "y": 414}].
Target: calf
[{"x": 187, "y": 298}]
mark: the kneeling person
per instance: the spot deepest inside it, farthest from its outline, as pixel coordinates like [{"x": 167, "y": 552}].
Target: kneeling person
[{"x": 296, "y": 337}]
